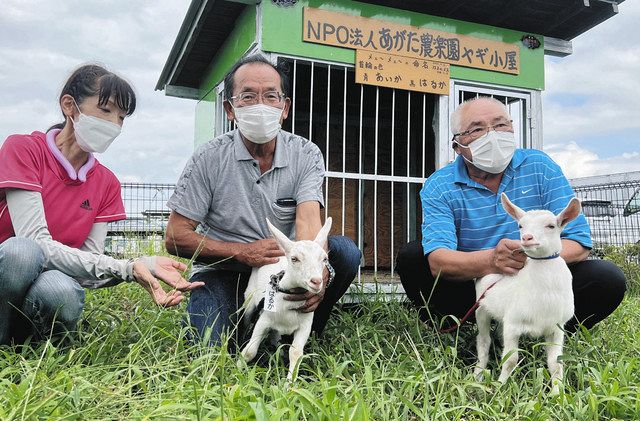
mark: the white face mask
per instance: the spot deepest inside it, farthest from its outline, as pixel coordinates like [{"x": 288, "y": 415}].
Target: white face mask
[
  {"x": 258, "y": 123},
  {"x": 94, "y": 134},
  {"x": 492, "y": 152}
]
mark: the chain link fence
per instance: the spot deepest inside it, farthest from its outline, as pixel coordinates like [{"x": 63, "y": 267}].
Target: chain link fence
[
  {"x": 147, "y": 215},
  {"x": 610, "y": 203}
]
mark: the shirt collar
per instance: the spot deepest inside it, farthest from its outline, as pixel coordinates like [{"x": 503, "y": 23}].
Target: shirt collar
[
  {"x": 81, "y": 175},
  {"x": 280, "y": 159}
]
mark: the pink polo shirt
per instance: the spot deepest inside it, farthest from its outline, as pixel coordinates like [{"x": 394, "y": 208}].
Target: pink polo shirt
[{"x": 73, "y": 202}]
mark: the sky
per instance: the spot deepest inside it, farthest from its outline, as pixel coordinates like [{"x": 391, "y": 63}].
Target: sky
[{"x": 591, "y": 104}]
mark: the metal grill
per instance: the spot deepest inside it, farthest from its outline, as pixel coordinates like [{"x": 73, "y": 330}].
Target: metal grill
[
  {"x": 379, "y": 147},
  {"x": 611, "y": 204},
  {"x": 612, "y": 208},
  {"x": 147, "y": 215}
]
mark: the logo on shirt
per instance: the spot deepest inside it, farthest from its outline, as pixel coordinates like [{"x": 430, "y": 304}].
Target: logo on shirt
[{"x": 86, "y": 206}]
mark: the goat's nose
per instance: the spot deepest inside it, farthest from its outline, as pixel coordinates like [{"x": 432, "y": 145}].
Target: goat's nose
[
  {"x": 316, "y": 282},
  {"x": 527, "y": 237}
]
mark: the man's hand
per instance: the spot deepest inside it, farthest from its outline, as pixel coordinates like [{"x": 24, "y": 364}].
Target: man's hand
[
  {"x": 508, "y": 257},
  {"x": 311, "y": 299},
  {"x": 259, "y": 253},
  {"x": 147, "y": 269}
]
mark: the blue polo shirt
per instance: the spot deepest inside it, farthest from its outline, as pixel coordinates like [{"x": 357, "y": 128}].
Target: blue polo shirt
[{"x": 460, "y": 214}]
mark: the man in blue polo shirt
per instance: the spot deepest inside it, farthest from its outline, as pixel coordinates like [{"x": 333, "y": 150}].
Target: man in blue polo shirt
[{"x": 466, "y": 233}]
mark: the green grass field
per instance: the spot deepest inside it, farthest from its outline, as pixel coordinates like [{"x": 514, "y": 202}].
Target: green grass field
[{"x": 131, "y": 361}]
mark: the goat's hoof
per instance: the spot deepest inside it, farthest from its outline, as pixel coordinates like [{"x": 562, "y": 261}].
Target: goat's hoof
[
  {"x": 247, "y": 356},
  {"x": 478, "y": 374}
]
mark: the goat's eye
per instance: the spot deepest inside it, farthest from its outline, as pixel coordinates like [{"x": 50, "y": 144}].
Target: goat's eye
[
  {"x": 294, "y": 259},
  {"x": 551, "y": 226},
  {"x": 519, "y": 226}
]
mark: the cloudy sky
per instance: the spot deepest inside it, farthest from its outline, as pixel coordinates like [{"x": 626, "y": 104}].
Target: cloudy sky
[{"x": 591, "y": 103}]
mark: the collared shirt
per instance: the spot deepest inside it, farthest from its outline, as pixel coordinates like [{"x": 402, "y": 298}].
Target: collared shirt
[
  {"x": 71, "y": 206},
  {"x": 461, "y": 214},
  {"x": 222, "y": 188}
]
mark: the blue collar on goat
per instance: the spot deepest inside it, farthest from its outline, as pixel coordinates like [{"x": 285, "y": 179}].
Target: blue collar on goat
[{"x": 553, "y": 256}]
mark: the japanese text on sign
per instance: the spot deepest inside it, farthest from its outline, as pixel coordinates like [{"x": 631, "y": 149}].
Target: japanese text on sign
[
  {"x": 402, "y": 72},
  {"x": 325, "y": 27}
]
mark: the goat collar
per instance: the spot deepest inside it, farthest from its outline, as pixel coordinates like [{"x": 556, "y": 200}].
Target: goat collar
[
  {"x": 553, "y": 256},
  {"x": 275, "y": 281}
]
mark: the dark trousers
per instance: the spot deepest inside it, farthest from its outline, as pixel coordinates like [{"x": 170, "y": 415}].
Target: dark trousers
[
  {"x": 215, "y": 305},
  {"x": 598, "y": 288}
]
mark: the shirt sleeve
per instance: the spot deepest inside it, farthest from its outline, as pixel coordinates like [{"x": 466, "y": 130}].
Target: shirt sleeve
[
  {"x": 28, "y": 220},
  {"x": 311, "y": 176},
  {"x": 557, "y": 193},
  {"x": 21, "y": 164},
  {"x": 95, "y": 244},
  {"x": 438, "y": 225},
  {"x": 192, "y": 196}
]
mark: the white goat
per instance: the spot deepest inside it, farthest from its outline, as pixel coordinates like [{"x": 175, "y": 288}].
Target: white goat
[
  {"x": 301, "y": 267},
  {"x": 538, "y": 300}
]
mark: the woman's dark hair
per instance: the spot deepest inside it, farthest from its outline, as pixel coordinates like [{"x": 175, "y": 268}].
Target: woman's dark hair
[
  {"x": 258, "y": 59},
  {"x": 90, "y": 80}
]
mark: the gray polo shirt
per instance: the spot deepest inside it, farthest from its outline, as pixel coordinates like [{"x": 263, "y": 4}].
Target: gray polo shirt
[{"x": 222, "y": 188}]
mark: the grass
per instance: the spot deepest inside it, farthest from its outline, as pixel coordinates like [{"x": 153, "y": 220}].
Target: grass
[{"x": 130, "y": 360}]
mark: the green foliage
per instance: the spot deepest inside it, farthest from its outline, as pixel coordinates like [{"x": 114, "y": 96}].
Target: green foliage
[
  {"x": 627, "y": 258},
  {"x": 130, "y": 360}
]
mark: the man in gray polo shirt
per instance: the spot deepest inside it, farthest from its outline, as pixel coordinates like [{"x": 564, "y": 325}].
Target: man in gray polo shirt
[{"x": 232, "y": 184}]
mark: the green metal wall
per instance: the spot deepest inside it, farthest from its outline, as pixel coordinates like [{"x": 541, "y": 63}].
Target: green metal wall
[
  {"x": 238, "y": 42},
  {"x": 282, "y": 33}
]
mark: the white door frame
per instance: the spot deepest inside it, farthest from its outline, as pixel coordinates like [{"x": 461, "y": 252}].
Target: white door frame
[{"x": 527, "y": 117}]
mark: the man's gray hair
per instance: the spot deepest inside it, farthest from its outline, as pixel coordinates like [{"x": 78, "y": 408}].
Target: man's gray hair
[{"x": 456, "y": 115}]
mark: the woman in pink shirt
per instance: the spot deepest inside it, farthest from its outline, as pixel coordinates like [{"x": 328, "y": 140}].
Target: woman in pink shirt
[{"x": 55, "y": 202}]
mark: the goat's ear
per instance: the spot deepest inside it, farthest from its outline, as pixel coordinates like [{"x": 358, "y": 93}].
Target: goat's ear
[
  {"x": 323, "y": 234},
  {"x": 515, "y": 212},
  {"x": 282, "y": 239},
  {"x": 569, "y": 213}
]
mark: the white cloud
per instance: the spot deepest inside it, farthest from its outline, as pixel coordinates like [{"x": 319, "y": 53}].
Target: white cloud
[
  {"x": 595, "y": 93},
  {"x": 42, "y": 41},
  {"x": 38, "y": 52},
  {"x": 579, "y": 162}
]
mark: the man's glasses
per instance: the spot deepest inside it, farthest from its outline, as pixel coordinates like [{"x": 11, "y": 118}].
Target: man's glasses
[
  {"x": 476, "y": 132},
  {"x": 251, "y": 98}
]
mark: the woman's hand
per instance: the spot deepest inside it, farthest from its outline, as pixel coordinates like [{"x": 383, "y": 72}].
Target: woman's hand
[{"x": 147, "y": 271}]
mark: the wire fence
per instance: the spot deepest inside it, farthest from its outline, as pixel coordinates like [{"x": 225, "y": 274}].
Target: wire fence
[
  {"x": 147, "y": 216},
  {"x": 611, "y": 204}
]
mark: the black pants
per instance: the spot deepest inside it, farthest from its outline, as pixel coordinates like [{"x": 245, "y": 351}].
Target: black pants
[{"x": 598, "y": 288}]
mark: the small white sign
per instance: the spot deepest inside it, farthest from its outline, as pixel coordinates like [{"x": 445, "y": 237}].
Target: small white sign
[{"x": 270, "y": 298}]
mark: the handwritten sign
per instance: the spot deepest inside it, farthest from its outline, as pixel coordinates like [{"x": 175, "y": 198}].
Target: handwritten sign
[
  {"x": 342, "y": 30},
  {"x": 399, "y": 72}
]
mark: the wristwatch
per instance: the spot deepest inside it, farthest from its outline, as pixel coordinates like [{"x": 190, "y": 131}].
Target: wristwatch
[{"x": 331, "y": 270}]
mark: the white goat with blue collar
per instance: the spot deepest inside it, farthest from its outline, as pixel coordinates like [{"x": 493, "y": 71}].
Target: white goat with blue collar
[
  {"x": 538, "y": 300},
  {"x": 301, "y": 267}
]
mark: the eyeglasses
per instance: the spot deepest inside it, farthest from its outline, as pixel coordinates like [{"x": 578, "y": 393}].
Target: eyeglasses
[
  {"x": 477, "y": 132},
  {"x": 251, "y": 98}
]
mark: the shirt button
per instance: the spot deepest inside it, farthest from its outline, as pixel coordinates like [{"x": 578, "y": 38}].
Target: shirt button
[
  {"x": 258, "y": 182},
  {"x": 255, "y": 165}
]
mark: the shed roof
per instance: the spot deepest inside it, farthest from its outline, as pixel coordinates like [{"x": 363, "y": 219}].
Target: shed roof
[{"x": 208, "y": 23}]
